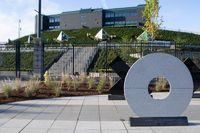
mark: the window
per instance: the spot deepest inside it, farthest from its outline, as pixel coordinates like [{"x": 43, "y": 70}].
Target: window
[
  {"x": 57, "y": 27},
  {"x": 57, "y": 19},
  {"x": 125, "y": 14},
  {"x": 109, "y": 23},
  {"x": 133, "y": 14},
  {"x": 51, "y": 20},
  {"x": 109, "y": 15},
  {"x": 83, "y": 17},
  {"x": 83, "y": 20},
  {"x": 120, "y": 23},
  {"x": 131, "y": 22},
  {"x": 54, "y": 20},
  {"x": 51, "y": 27}
]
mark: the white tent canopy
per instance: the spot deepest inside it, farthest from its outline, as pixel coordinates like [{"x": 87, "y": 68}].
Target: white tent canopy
[
  {"x": 102, "y": 35},
  {"x": 63, "y": 36}
]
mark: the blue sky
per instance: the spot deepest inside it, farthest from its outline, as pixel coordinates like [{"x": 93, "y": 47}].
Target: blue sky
[{"x": 180, "y": 15}]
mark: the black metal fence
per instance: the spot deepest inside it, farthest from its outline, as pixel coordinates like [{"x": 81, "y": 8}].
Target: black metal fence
[{"x": 86, "y": 58}]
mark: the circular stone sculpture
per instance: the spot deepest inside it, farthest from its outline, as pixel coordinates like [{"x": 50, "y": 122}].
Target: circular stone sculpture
[{"x": 155, "y": 65}]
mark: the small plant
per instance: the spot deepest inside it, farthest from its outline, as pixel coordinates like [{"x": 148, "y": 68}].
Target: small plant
[
  {"x": 101, "y": 84},
  {"x": 17, "y": 84},
  {"x": 91, "y": 83},
  {"x": 32, "y": 87},
  {"x": 82, "y": 78},
  {"x": 63, "y": 78},
  {"x": 111, "y": 82},
  {"x": 7, "y": 89},
  {"x": 57, "y": 88},
  {"x": 76, "y": 83},
  {"x": 66, "y": 79},
  {"x": 161, "y": 85}
]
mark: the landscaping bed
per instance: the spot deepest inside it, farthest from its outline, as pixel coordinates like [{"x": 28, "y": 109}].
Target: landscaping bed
[{"x": 52, "y": 89}]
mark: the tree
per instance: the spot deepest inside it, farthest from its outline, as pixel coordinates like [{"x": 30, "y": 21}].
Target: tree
[{"x": 151, "y": 14}]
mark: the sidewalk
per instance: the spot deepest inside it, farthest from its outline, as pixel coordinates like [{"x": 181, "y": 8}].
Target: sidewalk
[{"x": 87, "y": 114}]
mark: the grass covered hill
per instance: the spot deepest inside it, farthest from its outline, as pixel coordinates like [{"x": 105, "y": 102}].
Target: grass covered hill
[{"x": 123, "y": 34}]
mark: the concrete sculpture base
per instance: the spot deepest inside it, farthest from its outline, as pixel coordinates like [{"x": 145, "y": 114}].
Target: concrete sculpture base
[
  {"x": 159, "y": 121},
  {"x": 116, "y": 97},
  {"x": 196, "y": 95}
]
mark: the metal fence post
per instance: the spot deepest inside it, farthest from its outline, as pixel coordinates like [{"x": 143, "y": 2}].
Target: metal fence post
[
  {"x": 106, "y": 59},
  {"x": 73, "y": 59},
  {"x": 175, "y": 50},
  {"x": 17, "y": 59},
  {"x": 141, "y": 49}
]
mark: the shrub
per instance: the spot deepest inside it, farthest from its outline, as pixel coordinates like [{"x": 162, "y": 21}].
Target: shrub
[
  {"x": 101, "y": 85},
  {"x": 7, "y": 89},
  {"x": 76, "y": 83},
  {"x": 17, "y": 84},
  {"x": 111, "y": 82},
  {"x": 82, "y": 78},
  {"x": 161, "y": 85},
  {"x": 91, "y": 83},
  {"x": 32, "y": 87},
  {"x": 57, "y": 88},
  {"x": 66, "y": 79}
]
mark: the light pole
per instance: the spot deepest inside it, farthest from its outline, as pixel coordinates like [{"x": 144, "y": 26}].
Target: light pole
[
  {"x": 19, "y": 28},
  {"x": 17, "y": 52},
  {"x": 39, "y": 20},
  {"x": 38, "y": 64}
]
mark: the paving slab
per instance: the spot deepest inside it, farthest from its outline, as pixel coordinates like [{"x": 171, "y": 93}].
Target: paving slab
[
  {"x": 60, "y": 131},
  {"x": 3, "y": 121},
  {"x": 114, "y": 131},
  {"x": 112, "y": 125},
  {"x": 60, "y": 124},
  {"x": 10, "y": 130},
  {"x": 70, "y": 113},
  {"x": 88, "y": 125},
  {"x": 141, "y": 131},
  {"x": 165, "y": 130},
  {"x": 87, "y": 131},
  {"x": 32, "y": 130},
  {"x": 89, "y": 113},
  {"x": 16, "y": 123},
  {"x": 85, "y": 114},
  {"x": 40, "y": 124}
]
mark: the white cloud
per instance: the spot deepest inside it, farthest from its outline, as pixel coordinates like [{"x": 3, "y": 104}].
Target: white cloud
[
  {"x": 104, "y": 4},
  {"x": 24, "y": 10}
]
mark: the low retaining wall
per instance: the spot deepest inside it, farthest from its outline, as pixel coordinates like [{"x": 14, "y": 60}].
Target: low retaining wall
[{"x": 4, "y": 75}]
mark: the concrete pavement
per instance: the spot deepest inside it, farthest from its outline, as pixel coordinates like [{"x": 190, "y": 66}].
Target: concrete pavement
[{"x": 87, "y": 114}]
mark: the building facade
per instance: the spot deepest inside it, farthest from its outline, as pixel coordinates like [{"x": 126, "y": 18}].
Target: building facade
[{"x": 91, "y": 18}]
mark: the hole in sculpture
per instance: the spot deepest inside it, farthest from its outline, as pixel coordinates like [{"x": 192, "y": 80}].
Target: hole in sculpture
[{"x": 159, "y": 88}]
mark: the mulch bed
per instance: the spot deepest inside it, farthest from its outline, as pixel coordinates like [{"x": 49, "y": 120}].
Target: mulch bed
[{"x": 45, "y": 92}]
